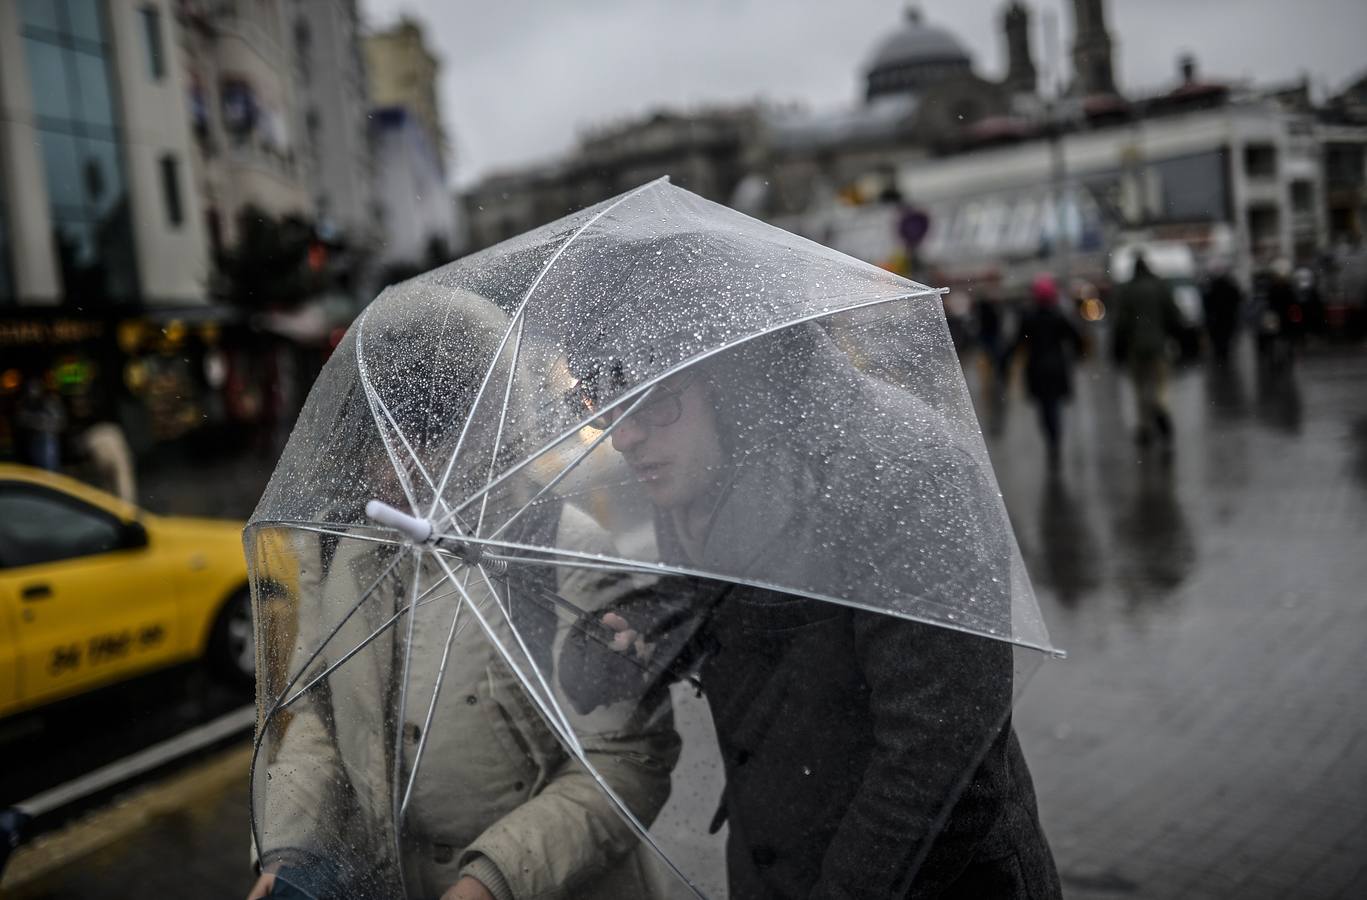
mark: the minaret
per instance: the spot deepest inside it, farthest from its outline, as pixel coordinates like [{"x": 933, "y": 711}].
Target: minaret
[
  {"x": 1091, "y": 49},
  {"x": 1020, "y": 68}
]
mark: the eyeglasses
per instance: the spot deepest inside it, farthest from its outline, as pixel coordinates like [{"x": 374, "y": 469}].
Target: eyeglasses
[{"x": 663, "y": 408}]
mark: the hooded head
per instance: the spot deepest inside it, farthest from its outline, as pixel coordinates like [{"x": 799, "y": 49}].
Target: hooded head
[
  {"x": 1141, "y": 268},
  {"x": 1044, "y": 290}
]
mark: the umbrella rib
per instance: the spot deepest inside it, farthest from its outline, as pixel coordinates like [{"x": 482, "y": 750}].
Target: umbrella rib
[
  {"x": 456, "y": 627},
  {"x": 401, "y": 721},
  {"x": 615, "y": 563},
  {"x": 374, "y": 398},
  {"x": 621, "y": 567},
  {"x": 502, "y": 419},
  {"x": 564, "y": 472},
  {"x": 336, "y": 532},
  {"x": 413, "y": 454},
  {"x": 432, "y": 383},
  {"x": 576, "y": 749},
  {"x": 317, "y": 651},
  {"x": 522, "y": 645},
  {"x": 679, "y": 367},
  {"x": 369, "y": 639},
  {"x": 557, "y": 718},
  {"x": 517, "y": 316}
]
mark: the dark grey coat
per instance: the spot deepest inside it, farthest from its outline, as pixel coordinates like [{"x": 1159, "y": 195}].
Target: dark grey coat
[{"x": 866, "y": 755}]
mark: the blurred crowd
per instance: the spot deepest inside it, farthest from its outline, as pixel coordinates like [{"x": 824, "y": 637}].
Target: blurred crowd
[{"x": 1145, "y": 325}]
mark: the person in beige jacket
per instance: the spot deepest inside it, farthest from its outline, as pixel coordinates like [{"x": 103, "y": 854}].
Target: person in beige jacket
[{"x": 499, "y": 809}]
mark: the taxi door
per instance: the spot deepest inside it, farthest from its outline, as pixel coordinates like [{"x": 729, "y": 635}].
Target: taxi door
[
  {"x": 92, "y": 603},
  {"x": 9, "y": 652}
]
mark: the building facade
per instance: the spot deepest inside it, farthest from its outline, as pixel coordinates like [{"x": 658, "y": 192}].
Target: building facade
[
  {"x": 403, "y": 73},
  {"x": 334, "y": 105},
  {"x": 134, "y": 136},
  {"x": 418, "y": 220},
  {"x": 1005, "y": 181},
  {"x": 921, "y": 96},
  {"x": 96, "y": 159},
  {"x": 244, "y": 113},
  {"x": 707, "y": 152}
]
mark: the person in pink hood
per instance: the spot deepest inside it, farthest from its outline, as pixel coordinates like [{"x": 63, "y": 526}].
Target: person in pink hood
[{"x": 1050, "y": 341}]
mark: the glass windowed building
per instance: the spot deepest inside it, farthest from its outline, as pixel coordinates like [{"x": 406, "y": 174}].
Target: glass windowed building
[
  {"x": 97, "y": 205},
  {"x": 76, "y": 115}
]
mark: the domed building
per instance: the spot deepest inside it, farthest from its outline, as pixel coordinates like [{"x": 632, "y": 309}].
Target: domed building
[
  {"x": 914, "y": 58},
  {"x": 929, "y": 64},
  {"x": 921, "y": 97}
]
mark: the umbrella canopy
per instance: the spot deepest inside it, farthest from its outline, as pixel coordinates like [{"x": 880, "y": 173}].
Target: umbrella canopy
[{"x": 540, "y": 496}]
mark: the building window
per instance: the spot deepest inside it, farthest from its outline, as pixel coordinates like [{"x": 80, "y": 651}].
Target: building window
[
  {"x": 1343, "y": 165},
  {"x": 170, "y": 190},
  {"x": 1260, "y": 161},
  {"x": 151, "y": 34},
  {"x": 67, "y": 53},
  {"x": 1302, "y": 196},
  {"x": 1264, "y": 225},
  {"x": 303, "y": 47}
]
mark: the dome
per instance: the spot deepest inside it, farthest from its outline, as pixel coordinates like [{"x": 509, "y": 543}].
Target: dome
[{"x": 916, "y": 43}]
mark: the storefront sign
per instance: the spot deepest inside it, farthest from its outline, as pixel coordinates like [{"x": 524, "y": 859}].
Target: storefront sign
[{"x": 50, "y": 332}]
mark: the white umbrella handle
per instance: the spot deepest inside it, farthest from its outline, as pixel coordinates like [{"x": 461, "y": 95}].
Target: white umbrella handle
[{"x": 417, "y": 529}]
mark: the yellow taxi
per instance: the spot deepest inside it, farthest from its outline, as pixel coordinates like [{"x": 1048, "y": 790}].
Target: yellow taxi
[{"x": 94, "y": 590}]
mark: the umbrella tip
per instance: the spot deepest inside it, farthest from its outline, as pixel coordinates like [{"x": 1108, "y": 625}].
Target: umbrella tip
[{"x": 419, "y": 530}]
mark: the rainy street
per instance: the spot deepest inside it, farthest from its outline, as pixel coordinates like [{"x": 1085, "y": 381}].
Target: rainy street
[
  {"x": 1204, "y": 737},
  {"x": 909, "y": 447}
]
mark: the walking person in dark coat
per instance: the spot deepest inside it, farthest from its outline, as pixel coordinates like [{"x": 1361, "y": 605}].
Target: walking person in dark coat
[
  {"x": 41, "y": 420},
  {"x": 1146, "y": 316},
  {"x": 1051, "y": 342},
  {"x": 1222, "y": 301},
  {"x": 865, "y": 755}
]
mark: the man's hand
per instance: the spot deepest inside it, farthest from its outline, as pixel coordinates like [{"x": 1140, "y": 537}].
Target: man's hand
[
  {"x": 626, "y": 636},
  {"x": 467, "y": 889},
  {"x": 264, "y": 884}
]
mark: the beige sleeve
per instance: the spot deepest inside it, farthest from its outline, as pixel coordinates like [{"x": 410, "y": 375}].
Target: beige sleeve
[
  {"x": 573, "y": 830},
  {"x": 300, "y": 760}
]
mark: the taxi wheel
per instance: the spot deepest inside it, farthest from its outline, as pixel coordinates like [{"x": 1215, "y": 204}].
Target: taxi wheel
[{"x": 232, "y": 650}]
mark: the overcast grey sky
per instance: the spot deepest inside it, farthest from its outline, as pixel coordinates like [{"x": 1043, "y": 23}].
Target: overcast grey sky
[{"x": 521, "y": 78}]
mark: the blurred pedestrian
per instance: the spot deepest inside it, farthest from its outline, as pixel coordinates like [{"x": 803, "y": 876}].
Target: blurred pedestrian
[
  {"x": 1050, "y": 341},
  {"x": 107, "y": 451},
  {"x": 989, "y": 328},
  {"x": 992, "y": 359},
  {"x": 1222, "y": 301},
  {"x": 1310, "y": 301},
  {"x": 958, "y": 315},
  {"x": 1146, "y": 316},
  {"x": 1281, "y": 319},
  {"x": 41, "y": 420}
]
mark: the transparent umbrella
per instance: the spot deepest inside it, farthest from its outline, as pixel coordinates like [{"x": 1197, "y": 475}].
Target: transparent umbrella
[{"x": 655, "y": 552}]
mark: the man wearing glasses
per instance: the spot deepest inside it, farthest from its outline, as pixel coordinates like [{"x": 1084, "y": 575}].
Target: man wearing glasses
[{"x": 864, "y": 755}]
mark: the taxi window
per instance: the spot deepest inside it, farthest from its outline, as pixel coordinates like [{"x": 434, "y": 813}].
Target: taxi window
[{"x": 38, "y": 526}]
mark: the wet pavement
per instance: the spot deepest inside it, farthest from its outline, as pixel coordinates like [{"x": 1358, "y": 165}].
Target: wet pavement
[{"x": 1205, "y": 737}]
